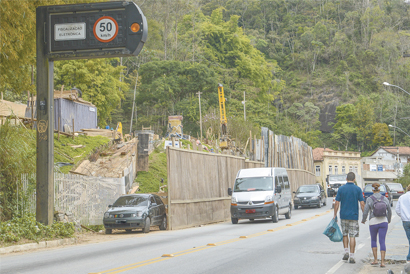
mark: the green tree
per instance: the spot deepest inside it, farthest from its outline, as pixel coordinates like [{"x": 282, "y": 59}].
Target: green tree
[
  {"x": 404, "y": 179},
  {"x": 98, "y": 80},
  {"x": 344, "y": 128},
  {"x": 17, "y": 147},
  {"x": 364, "y": 120},
  {"x": 18, "y": 42},
  {"x": 381, "y": 135}
]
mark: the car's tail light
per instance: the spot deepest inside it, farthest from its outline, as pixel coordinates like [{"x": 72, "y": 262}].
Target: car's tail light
[
  {"x": 364, "y": 197},
  {"x": 387, "y": 195}
]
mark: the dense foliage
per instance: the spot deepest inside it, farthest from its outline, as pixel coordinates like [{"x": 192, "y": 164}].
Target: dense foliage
[
  {"x": 290, "y": 60},
  {"x": 150, "y": 181},
  {"x": 18, "y": 156},
  {"x": 26, "y": 227}
]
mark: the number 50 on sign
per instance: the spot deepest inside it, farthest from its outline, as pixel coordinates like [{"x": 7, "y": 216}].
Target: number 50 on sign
[{"x": 105, "y": 29}]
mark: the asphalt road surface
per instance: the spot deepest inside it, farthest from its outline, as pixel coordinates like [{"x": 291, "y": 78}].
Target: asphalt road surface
[{"x": 292, "y": 246}]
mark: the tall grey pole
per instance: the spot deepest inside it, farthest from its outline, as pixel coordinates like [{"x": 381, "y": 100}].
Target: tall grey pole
[
  {"x": 133, "y": 102},
  {"x": 200, "y": 113},
  {"x": 244, "y": 108},
  {"x": 45, "y": 126}
]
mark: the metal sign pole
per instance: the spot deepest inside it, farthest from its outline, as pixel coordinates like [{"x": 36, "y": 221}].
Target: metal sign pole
[
  {"x": 78, "y": 31},
  {"x": 45, "y": 126}
]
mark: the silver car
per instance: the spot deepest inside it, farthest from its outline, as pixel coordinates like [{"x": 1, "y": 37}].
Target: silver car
[{"x": 396, "y": 189}]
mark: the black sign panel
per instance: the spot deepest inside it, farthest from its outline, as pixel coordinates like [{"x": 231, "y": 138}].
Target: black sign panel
[{"x": 94, "y": 30}]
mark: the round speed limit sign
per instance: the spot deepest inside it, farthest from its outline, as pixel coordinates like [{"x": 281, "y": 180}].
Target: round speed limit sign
[{"x": 105, "y": 29}]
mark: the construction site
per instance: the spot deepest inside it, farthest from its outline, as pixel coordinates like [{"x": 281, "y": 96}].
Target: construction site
[{"x": 189, "y": 174}]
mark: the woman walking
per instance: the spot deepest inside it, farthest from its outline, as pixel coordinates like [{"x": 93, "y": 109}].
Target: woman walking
[{"x": 380, "y": 216}]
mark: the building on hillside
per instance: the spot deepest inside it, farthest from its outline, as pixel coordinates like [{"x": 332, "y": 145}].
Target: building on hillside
[
  {"x": 69, "y": 106},
  {"x": 328, "y": 161},
  {"x": 385, "y": 164}
]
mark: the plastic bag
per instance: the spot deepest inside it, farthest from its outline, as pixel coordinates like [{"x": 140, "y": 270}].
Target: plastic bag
[{"x": 333, "y": 231}]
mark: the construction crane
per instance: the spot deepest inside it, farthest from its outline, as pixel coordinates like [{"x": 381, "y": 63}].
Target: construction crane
[{"x": 223, "y": 142}]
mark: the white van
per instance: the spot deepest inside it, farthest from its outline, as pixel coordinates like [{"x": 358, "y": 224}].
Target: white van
[{"x": 261, "y": 193}]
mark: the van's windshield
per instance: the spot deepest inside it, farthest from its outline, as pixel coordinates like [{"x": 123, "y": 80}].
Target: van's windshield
[{"x": 253, "y": 184}]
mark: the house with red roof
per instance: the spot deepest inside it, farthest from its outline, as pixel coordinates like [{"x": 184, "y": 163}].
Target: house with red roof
[{"x": 385, "y": 164}]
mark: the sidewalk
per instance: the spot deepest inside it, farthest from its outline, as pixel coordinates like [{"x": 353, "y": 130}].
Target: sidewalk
[
  {"x": 32, "y": 246},
  {"x": 397, "y": 248}
]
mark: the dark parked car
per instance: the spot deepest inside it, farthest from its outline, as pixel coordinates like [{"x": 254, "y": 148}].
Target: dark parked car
[
  {"x": 384, "y": 190},
  {"x": 309, "y": 196},
  {"x": 135, "y": 211},
  {"x": 396, "y": 189}
]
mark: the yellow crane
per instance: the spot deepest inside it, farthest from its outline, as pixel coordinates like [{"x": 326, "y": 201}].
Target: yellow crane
[{"x": 223, "y": 142}]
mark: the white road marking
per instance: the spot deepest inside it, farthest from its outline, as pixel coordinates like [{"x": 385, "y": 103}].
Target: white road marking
[
  {"x": 335, "y": 267},
  {"x": 340, "y": 263}
]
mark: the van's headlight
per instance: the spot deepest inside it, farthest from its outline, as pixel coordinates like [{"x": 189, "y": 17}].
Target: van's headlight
[
  {"x": 234, "y": 201},
  {"x": 138, "y": 214},
  {"x": 316, "y": 198},
  {"x": 296, "y": 199},
  {"x": 107, "y": 215},
  {"x": 269, "y": 199}
]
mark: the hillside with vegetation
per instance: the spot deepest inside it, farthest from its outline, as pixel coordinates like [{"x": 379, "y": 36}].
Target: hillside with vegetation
[{"x": 307, "y": 68}]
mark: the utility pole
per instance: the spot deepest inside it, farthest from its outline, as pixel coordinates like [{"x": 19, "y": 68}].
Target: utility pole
[
  {"x": 244, "y": 107},
  {"x": 133, "y": 103},
  {"x": 200, "y": 113}
]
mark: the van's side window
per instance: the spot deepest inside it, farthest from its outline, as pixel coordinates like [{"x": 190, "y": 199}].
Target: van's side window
[
  {"x": 276, "y": 181},
  {"x": 286, "y": 182},
  {"x": 281, "y": 182}
]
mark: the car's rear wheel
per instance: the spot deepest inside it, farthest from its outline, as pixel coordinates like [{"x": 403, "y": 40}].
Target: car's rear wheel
[
  {"x": 275, "y": 217},
  {"x": 147, "y": 225},
  {"x": 324, "y": 203},
  {"x": 295, "y": 207},
  {"x": 289, "y": 214},
  {"x": 108, "y": 231},
  {"x": 163, "y": 225},
  {"x": 234, "y": 220}
]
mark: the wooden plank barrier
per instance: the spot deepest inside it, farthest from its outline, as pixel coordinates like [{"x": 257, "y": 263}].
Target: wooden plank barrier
[{"x": 198, "y": 185}]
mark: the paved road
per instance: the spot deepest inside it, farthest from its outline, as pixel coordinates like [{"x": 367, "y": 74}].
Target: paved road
[{"x": 289, "y": 246}]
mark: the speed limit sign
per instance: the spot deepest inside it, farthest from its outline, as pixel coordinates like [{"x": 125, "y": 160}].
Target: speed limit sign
[{"x": 105, "y": 29}]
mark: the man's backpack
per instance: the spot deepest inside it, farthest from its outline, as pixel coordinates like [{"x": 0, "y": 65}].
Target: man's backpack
[{"x": 379, "y": 207}]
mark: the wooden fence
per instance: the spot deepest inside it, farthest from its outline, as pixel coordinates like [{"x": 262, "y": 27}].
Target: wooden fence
[
  {"x": 198, "y": 185},
  {"x": 287, "y": 151}
]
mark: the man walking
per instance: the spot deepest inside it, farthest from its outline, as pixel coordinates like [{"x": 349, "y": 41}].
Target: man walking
[
  {"x": 349, "y": 195},
  {"x": 403, "y": 210}
]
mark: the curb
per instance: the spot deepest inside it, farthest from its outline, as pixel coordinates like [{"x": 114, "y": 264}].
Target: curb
[{"x": 31, "y": 246}]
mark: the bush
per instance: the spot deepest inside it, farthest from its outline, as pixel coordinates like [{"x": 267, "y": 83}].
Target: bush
[
  {"x": 28, "y": 228},
  {"x": 18, "y": 156}
]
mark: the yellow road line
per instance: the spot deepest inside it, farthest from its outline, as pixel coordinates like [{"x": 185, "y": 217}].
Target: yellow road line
[
  {"x": 134, "y": 264},
  {"x": 200, "y": 248}
]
